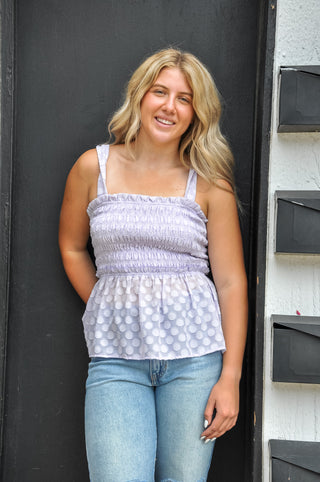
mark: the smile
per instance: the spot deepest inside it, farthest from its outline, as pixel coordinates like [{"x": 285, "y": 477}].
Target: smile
[{"x": 164, "y": 121}]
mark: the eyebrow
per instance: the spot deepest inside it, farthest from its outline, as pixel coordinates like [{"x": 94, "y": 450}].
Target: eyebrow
[{"x": 164, "y": 87}]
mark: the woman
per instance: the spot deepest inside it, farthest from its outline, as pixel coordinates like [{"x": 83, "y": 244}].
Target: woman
[{"x": 166, "y": 344}]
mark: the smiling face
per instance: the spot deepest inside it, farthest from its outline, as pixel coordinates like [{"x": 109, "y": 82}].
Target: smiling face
[{"x": 166, "y": 108}]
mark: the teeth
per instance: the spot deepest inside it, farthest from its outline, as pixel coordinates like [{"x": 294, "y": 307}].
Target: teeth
[{"x": 164, "y": 121}]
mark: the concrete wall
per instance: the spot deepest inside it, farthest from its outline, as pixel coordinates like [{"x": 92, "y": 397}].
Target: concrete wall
[{"x": 291, "y": 411}]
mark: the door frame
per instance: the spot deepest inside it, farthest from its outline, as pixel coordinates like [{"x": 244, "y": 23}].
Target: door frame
[
  {"x": 258, "y": 234},
  {"x": 7, "y": 67},
  {"x": 259, "y": 226}
]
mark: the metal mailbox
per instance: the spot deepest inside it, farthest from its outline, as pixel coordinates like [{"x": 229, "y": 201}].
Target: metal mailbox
[
  {"x": 297, "y": 222},
  {"x": 299, "y": 103},
  {"x": 295, "y": 461},
  {"x": 296, "y": 349}
]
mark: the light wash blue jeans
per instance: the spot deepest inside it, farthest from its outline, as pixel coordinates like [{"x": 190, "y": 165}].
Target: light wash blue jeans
[{"x": 143, "y": 419}]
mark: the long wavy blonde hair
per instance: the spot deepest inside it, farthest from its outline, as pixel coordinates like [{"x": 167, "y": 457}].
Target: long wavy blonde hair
[{"x": 202, "y": 146}]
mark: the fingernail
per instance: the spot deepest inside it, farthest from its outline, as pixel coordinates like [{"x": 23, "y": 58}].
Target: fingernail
[
  {"x": 206, "y": 423},
  {"x": 203, "y": 437},
  {"x": 208, "y": 440},
  {"x": 213, "y": 439}
]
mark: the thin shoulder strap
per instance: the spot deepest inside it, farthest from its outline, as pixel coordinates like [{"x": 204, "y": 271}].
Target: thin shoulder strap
[
  {"x": 103, "y": 153},
  {"x": 191, "y": 189}
]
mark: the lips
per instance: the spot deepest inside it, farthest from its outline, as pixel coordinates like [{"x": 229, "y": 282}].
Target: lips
[{"x": 165, "y": 122}]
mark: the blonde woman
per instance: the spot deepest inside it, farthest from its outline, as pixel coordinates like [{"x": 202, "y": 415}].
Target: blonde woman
[{"x": 166, "y": 344}]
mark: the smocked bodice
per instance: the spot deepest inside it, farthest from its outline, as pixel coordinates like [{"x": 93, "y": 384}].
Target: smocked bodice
[{"x": 142, "y": 234}]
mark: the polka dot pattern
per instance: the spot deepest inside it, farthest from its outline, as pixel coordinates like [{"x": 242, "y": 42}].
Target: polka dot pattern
[{"x": 153, "y": 316}]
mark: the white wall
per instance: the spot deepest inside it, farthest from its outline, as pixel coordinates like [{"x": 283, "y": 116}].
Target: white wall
[{"x": 291, "y": 411}]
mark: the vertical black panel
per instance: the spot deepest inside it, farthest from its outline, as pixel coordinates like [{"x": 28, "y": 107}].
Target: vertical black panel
[{"x": 72, "y": 59}]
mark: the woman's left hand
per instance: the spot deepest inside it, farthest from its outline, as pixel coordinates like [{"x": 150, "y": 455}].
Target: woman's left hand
[{"x": 224, "y": 398}]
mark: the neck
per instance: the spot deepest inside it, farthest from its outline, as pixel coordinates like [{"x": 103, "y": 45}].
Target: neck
[{"x": 155, "y": 156}]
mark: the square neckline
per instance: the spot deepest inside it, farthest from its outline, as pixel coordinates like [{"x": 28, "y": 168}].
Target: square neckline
[
  {"x": 103, "y": 159},
  {"x": 188, "y": 200}
]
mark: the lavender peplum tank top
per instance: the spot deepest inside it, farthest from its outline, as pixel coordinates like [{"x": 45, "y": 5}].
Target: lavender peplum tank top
[{"x": 153, "y": 299}]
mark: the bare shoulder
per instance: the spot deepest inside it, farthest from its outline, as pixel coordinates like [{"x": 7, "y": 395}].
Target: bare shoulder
[
  {"x": 87, "y": 166},
  {"x": 215, "y": 196}
]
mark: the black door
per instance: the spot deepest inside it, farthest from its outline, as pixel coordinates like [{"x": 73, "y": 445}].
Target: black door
[{"x": 72, "y": 60}]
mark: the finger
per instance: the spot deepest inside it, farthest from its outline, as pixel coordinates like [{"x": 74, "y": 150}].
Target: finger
[
  {"x": 215, "y": 420},
  {"x": 209, "y": 413},
  {"x": 219, "y": 427},
  {"x": 207, "y": 440}
]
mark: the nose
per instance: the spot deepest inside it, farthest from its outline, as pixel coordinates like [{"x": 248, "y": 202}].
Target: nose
[{"x": 169, "y": 104}]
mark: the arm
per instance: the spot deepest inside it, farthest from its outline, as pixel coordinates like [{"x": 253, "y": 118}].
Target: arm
[
  {"x": 74, "y": 224},
  {"x": 226, "y": 259}
]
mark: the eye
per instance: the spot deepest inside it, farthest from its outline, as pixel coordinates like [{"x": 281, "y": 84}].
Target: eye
[
  {"x": 184, "y": 100},
  {"x": 158, "y": 91}
]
